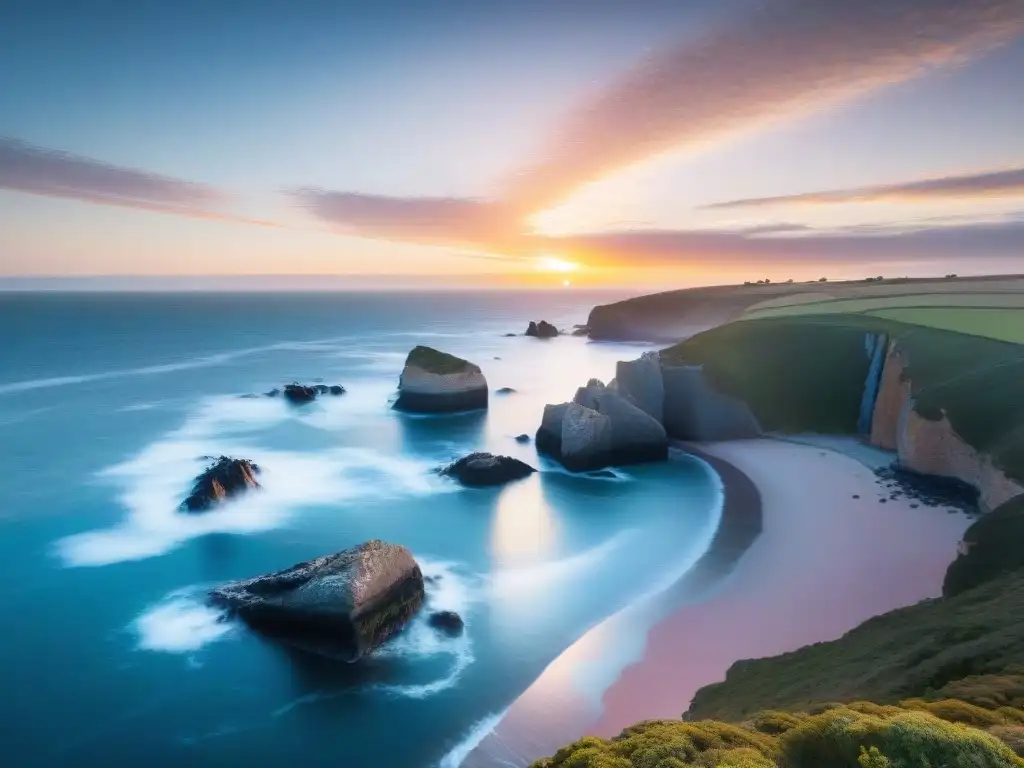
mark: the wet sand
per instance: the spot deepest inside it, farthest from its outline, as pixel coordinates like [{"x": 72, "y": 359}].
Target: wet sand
[{"x": 824, "y": 563}]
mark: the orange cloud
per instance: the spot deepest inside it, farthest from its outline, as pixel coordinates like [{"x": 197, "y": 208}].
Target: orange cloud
[
  {"x": 785, "y": 59},
  {"x": 981, "y": 186}
]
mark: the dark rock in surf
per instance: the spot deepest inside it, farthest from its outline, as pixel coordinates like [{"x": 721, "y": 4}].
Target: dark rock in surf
[
  {"x": 485, "y": 469},
  {"x": 226, "y": 477},
  {"x": 298, "y": 394},
  {"x": 505, "y": 391},
  {"x": 448, "y": 622},
  {"x": 524, "y": 438},
  {"x": 273, "y": 393},
  {"x": 541, "y": 330},
  {"x": 336, "y": 389},
  {"x": 342, "y": 606}
]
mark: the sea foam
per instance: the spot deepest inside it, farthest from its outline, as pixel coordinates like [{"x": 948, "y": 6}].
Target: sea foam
[
  {"x": 153, "y": 483},
  {"x": 180, "y": 623}
]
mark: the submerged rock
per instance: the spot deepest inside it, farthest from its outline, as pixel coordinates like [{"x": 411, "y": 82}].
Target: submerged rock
[
  {"x": 581, "y": 330},
  {"x": 541, "y": 330},
  {"x": 524, "y": 438},
  {"x": 272, "y": 393},
  {"x": 505, "y": 391},
  {"x": 223, "y": 479},
  {"x": 483, "y": 469},
  {"x": 448, "y": 622},
  {"x": 342, "y": 605},
  {"x": 336, "y": 389},
  {"x": 436, "y": 382}
]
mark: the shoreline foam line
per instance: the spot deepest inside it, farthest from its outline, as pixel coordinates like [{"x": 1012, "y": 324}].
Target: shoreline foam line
[{"x": 516, "y": 736}]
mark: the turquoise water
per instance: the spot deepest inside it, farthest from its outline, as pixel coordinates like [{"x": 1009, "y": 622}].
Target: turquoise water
[{"x": 107, "y": 402}]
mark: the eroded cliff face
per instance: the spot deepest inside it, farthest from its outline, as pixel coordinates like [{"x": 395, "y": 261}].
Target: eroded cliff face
[
  {"x": 893, "y": 395},
  {"x": 934, "y": 448},
  {"x": 931, "y": 447}
]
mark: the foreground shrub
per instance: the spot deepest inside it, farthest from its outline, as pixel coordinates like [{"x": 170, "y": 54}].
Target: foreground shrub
[
  {"x": 955, "y": 711},
  {"x": 774, "y": 722},
  {"x": 840, "y": 738}
]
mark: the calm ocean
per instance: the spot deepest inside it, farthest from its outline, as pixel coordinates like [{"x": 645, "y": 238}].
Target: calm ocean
[{"x": 108, "y": 655}]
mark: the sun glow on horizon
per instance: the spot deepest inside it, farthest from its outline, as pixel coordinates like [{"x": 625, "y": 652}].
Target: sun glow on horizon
[{"x": 555, "y": 264}]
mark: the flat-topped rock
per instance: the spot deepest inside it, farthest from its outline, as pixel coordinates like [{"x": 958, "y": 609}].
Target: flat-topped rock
[
  {"x": 342, "y": 605},
  {"x": 436, "y": 382},
  {"x": 225, "y": 478},
  {"x": 484, "y": 469},
  {"x": 541, "y": 330}
]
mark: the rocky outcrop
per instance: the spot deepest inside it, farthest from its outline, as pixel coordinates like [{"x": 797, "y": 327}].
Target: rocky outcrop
[
  {"x": 641, "y": 382},
  {"x": 524, "y": 438},
  {"x": 600, "y": 427},
  {"x": 586, "y": 439},
  {"x": 541, "y": 330},
  {"x": 342, "y": 606},
  {"x": 693, "y": 410},
  {"x": 224, "y": 478},
  {"x": 581, "y": 330},
  {"x": 436, "y": 382},
  {"x": 484, "y": 469},
  {"x": 448, "y": 622}
]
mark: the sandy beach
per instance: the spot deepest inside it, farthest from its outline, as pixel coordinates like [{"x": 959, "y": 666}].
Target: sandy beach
[{"x": 825, "y": 562}]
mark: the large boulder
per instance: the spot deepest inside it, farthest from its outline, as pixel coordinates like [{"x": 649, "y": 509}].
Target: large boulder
[
  {"x": 342, "y": 605},
  {"x": 695, "y": 411},
  {"x": 436, "y": 382},
  {"x": 586, "y": 439},
  {"x": 541, "y": 330},
  {"x": 549, "y": 434},
  {"x": 641, "y": 381},
  {"x": 224, "y": 478},
  {"x": 635, "y": 435},
  {"x": 587, "y": 396},
  {"x": 483, "y": 469}
]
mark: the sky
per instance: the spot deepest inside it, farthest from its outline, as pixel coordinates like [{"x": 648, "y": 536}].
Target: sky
[{"x": 655, "y": 143}]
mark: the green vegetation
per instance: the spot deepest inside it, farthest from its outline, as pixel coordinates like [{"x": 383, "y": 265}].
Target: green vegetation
[
  {"x": 796, "y": 375},
  {"x": 806, "y": 374},
  {"x": 993, "y": 322},
  {"x": 858, "y": 736},
  {"x": 430, "y": 359},
  {"x": 993, "y": 548}
]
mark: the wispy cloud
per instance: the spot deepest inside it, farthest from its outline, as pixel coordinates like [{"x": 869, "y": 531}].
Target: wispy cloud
[
  {"x": 455, "y": 222},
  {"x": 979, "y": 186},
  {"x": 52, "y": 173},
  {"x": 785, "y": 59},
  {"x": 985, "y": 240}
]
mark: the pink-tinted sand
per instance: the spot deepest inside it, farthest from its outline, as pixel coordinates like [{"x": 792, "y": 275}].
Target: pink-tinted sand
[{"x": 824, "y": 563}]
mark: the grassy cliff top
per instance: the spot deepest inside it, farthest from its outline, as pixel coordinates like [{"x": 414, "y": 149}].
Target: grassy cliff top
[
  {"x": 806, "y": 374},
  {"x": 435, "y": 361}
]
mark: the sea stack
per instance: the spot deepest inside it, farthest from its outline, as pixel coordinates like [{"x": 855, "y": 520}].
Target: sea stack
[
  {"x": 600, "y": 428},
  {"x": 436, "y": 382},
  {"x": 541, "y": 330},
  {"x": 341, "y": 606}
]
